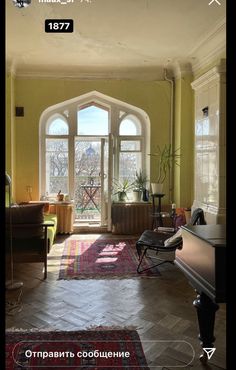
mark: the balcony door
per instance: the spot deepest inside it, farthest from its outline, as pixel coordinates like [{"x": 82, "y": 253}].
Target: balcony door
[{"x": 91, "y": 190}]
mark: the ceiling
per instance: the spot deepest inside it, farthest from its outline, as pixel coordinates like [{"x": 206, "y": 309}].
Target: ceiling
[{"x": 111, "y": 36}]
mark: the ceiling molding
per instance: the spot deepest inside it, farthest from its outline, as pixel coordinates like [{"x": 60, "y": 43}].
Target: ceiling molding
[
  {"x": 208, "y": 59},
  {"x": 209, "y": 48},
  {"x": 153, "y": 74},
  {"x": 219, "y": 29},
  {"x": 214, "y": 73}
]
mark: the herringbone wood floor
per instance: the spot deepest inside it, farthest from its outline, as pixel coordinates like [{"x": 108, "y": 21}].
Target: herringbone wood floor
[{"x": 159, "y": 308}]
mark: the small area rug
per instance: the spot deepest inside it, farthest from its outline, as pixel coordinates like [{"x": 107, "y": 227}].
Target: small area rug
[
  {"x": 102, "y": 258},
  {"x": 86, "y": 349}
]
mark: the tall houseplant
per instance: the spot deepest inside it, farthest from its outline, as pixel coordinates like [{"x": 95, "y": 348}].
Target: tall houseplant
[{"x": 166, "y": 158}]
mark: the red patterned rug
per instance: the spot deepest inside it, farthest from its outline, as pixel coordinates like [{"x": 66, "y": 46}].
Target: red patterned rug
[
  {"x": 102, "y": 258},
  {"x": 87, "y": 349}
]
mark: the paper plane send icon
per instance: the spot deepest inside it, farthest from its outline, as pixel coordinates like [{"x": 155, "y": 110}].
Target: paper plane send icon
[{"x": 209, "y": 352}]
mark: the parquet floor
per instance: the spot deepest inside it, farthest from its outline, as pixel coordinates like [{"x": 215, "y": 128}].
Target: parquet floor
[{"x": 159, "y": 308}]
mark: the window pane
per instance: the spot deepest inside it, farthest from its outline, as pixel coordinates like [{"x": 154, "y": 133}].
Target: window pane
[
  {"x": 126, "y": 145},
  {"x": 130, "y": 126},
  {"x": 129, "y": 164},
  {"x": 58, "y": 127},
  {"x": 92, "y": 121},
  {"x": 87, "y": 179},
  {"x": 56, "y": 165}
]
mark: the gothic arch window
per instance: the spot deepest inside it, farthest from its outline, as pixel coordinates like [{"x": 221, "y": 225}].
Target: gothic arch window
[
  {"x": 131, "y": 153},
  {"x": 57, "y": 125},
  {"x": 83, "y": 122},
  {"x": 92, "y": 119},
  {"x": 130, "y": 125},
  {"x": 56, "y": 154}
]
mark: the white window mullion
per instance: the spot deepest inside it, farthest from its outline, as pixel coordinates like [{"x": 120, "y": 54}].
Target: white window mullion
[
  {"x": 72, "y": 136},
  {"x": 71, "y": 169}
]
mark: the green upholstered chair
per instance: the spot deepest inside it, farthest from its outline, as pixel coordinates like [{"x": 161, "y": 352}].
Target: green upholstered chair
[{"x": 28, "y": 235}]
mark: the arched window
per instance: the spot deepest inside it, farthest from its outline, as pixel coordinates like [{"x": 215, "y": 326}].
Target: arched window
[
  {"x": 92, "y": 120},
  {"x": 89, "y": 141},
  {"x": 56, "y": 155},
  {"x": 57, "y": 126},
  {"x": 130, "y": 125},
  {"x": 130, "y": 147}
]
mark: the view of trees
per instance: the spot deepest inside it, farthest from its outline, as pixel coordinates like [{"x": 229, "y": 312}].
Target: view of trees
[{"x": 87, "y": 170}]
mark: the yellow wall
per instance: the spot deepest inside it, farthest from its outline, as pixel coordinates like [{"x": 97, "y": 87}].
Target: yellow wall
[
  {"x": 10, "y": 136},
  {"x": 35, "y": 95}
]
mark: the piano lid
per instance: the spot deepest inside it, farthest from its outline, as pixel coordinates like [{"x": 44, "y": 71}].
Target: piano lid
[
  {"x": 203, "y": 259},
  {"x": 213, "y": 234}
]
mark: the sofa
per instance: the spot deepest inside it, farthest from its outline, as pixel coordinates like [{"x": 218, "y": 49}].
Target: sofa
[{"x": 31, "y": 233}]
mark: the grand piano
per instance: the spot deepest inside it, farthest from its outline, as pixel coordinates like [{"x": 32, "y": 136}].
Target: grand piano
[{"x": 203, "y": 260}]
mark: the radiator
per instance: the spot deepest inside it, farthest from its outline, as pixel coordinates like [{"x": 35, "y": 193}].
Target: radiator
[{"x": 131, "y": 218}]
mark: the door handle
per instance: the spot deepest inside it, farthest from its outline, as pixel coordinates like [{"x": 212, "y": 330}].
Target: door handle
[{"x": 104, "y": 175}]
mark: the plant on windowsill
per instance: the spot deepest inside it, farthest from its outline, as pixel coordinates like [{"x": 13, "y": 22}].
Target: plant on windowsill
[
  {"x": 166, "y": 158},
  {"x": 139, "y": 185},
  {"x": 121, "y": 188}
]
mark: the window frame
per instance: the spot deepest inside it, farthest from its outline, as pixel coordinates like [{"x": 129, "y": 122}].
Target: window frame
[
  {"x": 55, "y": 137},
  {"x": 52, "y": 118},
  {"x": 117, "y": 112}
]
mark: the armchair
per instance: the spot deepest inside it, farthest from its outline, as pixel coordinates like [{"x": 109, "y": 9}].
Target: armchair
[
  {"x": 27, "y": 234},
  {"x": 163, "y": 241}
]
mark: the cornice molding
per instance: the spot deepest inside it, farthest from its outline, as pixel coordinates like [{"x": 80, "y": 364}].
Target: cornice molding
[
  {"x": 213, "y": 74},
  {"x": 210, "y": 47},
  {"x": 219, "y": 29},
  {"x": 155, "y": 74},
  {"x": 209, "y": 58}
]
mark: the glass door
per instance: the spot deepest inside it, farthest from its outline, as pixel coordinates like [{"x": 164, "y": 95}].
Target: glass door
[{"x": 91, "y": 181}]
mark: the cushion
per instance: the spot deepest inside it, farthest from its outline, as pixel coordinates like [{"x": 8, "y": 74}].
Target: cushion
[
  {"x": 176, "y": 238},
  {"x": 25, "y": 214},
  {"x": 180, "y": 219},
  {"x": 51, "y": 230}
]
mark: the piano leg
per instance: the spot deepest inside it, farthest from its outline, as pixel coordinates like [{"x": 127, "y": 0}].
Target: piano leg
[{"x": 206, "y": 310}]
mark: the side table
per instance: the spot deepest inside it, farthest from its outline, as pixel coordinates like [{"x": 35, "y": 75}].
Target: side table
[
  {"x": 65, "y": 216},
  {"x": 156, "y": 211}
]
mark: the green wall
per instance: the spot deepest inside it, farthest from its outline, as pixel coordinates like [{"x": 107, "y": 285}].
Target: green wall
[{"x": 35, "y": 95}]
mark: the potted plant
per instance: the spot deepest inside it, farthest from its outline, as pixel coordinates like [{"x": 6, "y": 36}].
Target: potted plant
[
  {"x": 139, "y": 185},
  {"x": 121, "y": 188},
  {"x": 166, "y": 158}
]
